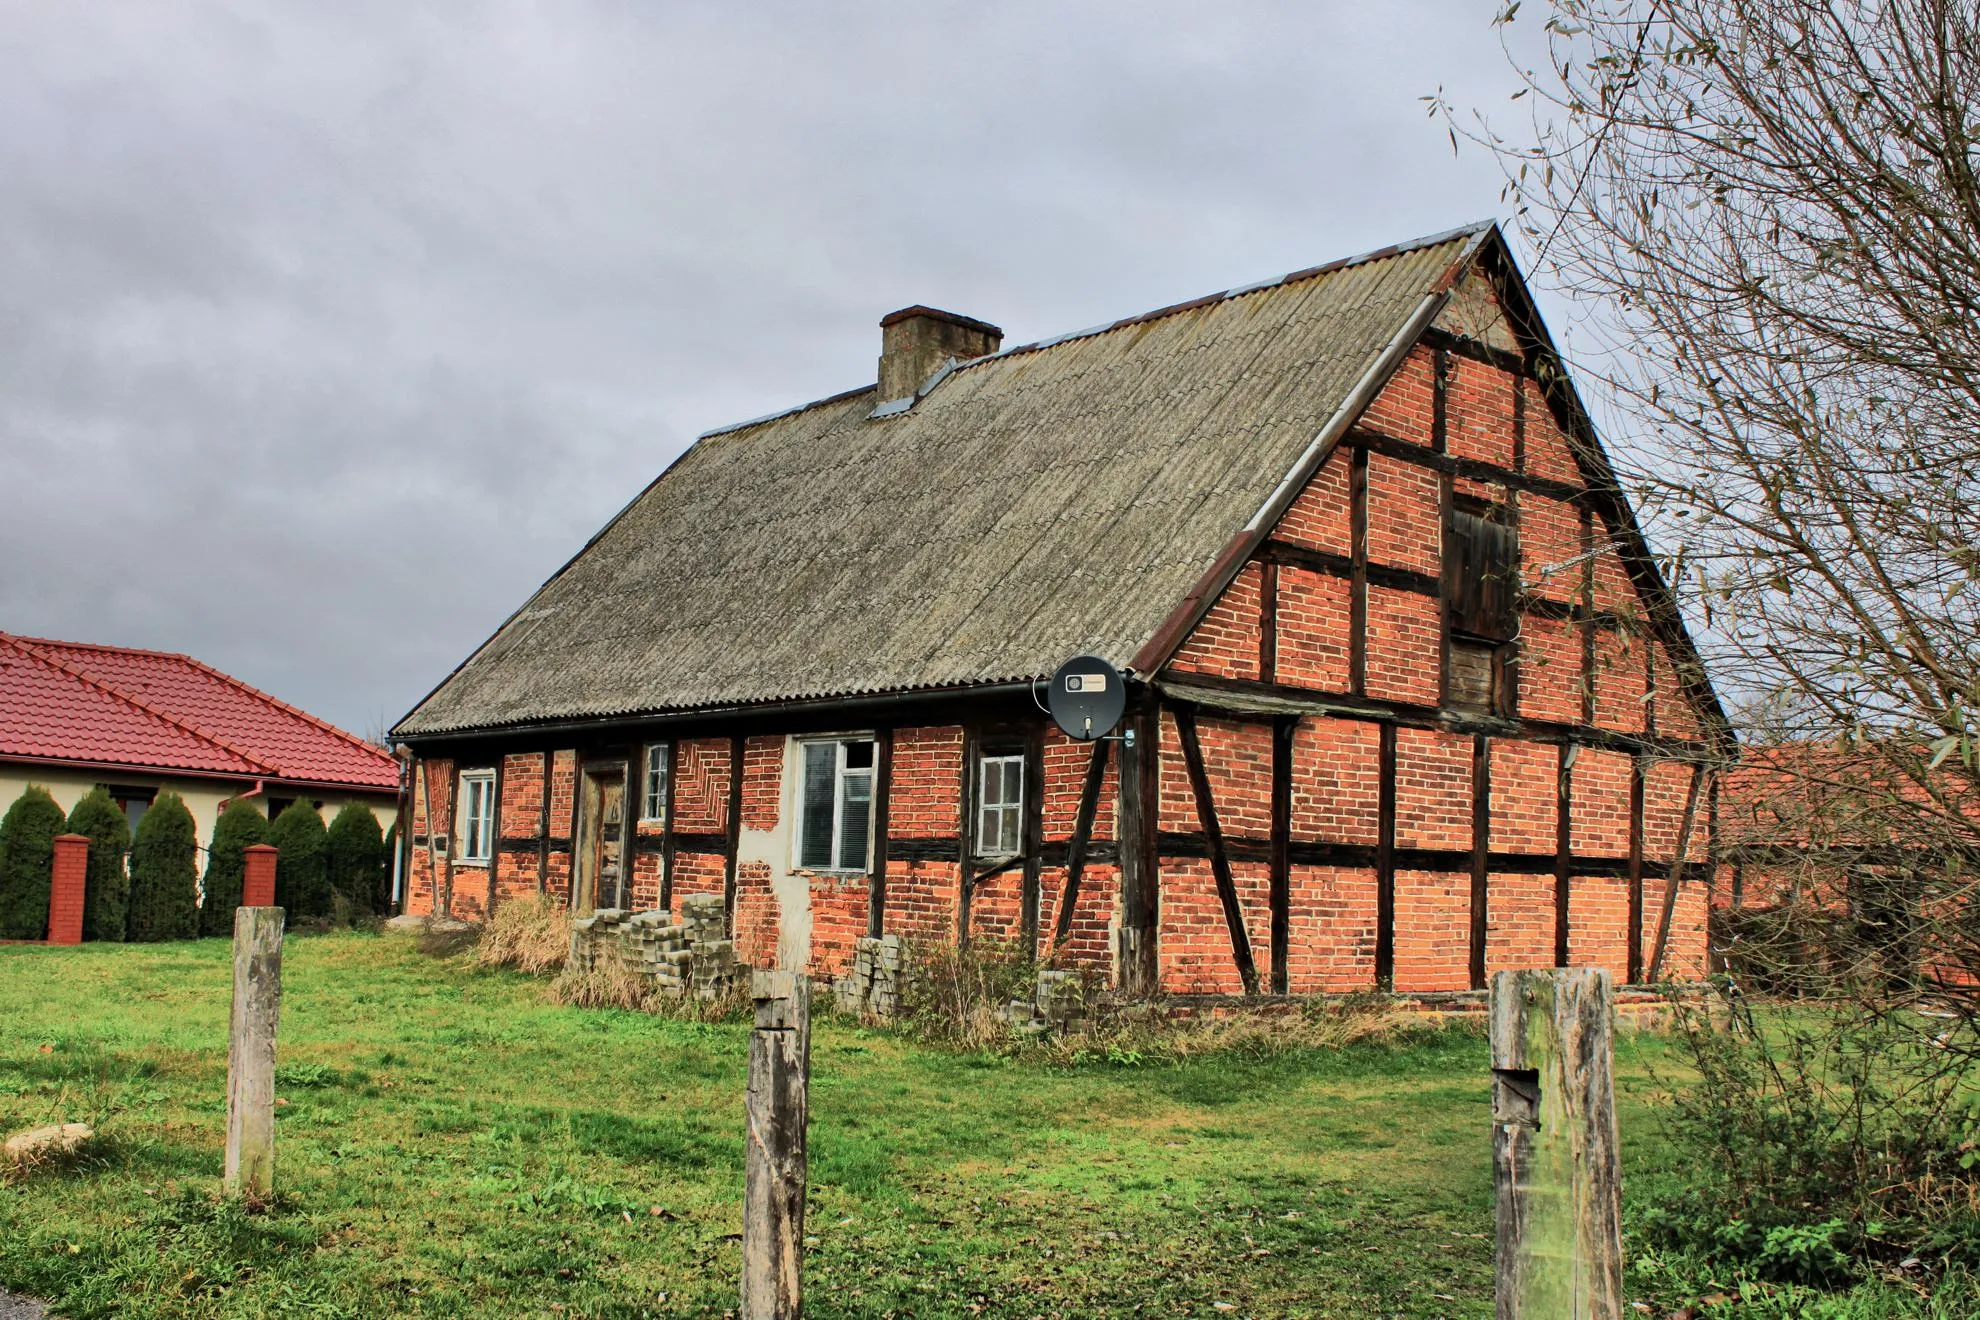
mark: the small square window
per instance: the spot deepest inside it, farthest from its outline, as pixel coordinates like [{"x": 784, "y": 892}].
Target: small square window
[
  {"x": 659, "y": 765},
  {"x": 999, "y": 805},
  {"x": 835, "y": 796},
  {"x": 477, "y": 823}
]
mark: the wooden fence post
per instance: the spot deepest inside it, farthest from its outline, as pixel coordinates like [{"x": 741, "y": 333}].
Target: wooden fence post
[
  {"x": 1554, "y": 1146},
  {"x": 250, "y": 1170},
  {"x": 775, "y": 1170}
]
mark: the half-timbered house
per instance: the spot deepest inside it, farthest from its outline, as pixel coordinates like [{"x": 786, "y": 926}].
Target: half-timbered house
[{"x": 1411, "y": 701}]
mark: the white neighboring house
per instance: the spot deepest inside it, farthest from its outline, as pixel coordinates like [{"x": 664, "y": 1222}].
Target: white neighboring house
[{"x": 74, "y": 715}]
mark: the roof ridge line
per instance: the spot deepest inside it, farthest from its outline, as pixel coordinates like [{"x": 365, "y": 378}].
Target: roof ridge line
[
  {"x": 363, "y": 744},
  {"x": 1471, "y": 230},
  {"x": 139, "y": 703}
]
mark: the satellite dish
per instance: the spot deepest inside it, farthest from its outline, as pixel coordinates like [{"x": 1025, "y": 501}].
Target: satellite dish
[{"x": 1087, "y": 697}]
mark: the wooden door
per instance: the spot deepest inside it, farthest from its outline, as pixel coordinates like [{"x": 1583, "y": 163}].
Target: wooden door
[{"x": 600, "y": 882}]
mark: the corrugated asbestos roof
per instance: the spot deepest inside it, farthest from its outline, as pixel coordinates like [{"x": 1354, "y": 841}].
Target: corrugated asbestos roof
[{"x": 1047, "y": 500}]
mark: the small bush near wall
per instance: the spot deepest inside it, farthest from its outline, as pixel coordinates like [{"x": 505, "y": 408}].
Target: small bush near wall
[
  {"x": 107, "y": 889},
  {"x": 531, "y": 934},
  {"x": 164, "y": 873},
  {"x": 302, "y": 880},
  {"x": 27, "y": 859},
  {"x": 354, "y": 856},
  {"x": 240, "y": 827}
]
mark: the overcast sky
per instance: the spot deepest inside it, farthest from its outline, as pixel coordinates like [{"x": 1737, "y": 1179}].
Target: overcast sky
[{"x": 327, "y": 332}]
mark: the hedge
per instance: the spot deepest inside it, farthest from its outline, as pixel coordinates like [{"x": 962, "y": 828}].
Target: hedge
[
  {"x": 164, "y": 873},
  {"x": 240, "y": 826},
  {"x": 107, "y": 891},
  {"x": 27, "y": 861},
  {"x": 354, "y": 854},
  {"x": 302, "y": 882}
]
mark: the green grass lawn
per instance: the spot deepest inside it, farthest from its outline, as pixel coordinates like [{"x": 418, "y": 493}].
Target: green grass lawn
[{"x": 453, "y": 1144}]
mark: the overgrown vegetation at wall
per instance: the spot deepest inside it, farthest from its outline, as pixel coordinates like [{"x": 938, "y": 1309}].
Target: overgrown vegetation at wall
[
  {"x": 531, "y": 934},
  {"x": 27, "y": 852},
  {"x": 1820, "y": 1144}
]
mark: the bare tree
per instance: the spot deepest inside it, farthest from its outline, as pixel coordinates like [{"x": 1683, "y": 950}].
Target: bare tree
[{"x": 1773, "y": 203}]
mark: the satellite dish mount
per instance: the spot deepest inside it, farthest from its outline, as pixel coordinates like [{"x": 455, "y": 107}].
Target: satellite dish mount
[{"x": 1086, "y": 699}]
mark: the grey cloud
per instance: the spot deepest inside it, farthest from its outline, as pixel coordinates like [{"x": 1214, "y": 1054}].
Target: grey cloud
[{"x": 328, "y": 331}]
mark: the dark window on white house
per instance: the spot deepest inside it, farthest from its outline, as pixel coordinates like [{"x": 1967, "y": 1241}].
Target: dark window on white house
[
  {"x": 999, "y": 804},
  {"x": 1481, "y": 591},
  {"x": 653, "y": 799},
  {"x": 835, "y": 796},
  {"x": 132, "y": 801}
]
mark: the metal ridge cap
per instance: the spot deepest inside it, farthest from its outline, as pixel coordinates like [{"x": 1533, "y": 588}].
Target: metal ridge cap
[
  {"x": 782, "y": 413},
  {"x": 1473, "y": 231}
]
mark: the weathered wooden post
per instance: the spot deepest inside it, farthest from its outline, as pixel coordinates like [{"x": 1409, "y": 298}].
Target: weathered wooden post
[
  {"x": 775, "y": 1169},
  {"x": 250, "y": 1170},
  {"x": 1554, "y": 1147}
]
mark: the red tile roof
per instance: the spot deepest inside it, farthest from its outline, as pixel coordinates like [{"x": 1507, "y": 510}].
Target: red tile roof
[{"x": 157, "y": 710}]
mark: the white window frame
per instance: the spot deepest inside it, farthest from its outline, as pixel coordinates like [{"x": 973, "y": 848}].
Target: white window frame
[
  {"x": 659, "y": 763},
  {"x": 840, "y": 801},
  {"x": 477, "y": 787},
  {"x": 1009, "y": 812}
]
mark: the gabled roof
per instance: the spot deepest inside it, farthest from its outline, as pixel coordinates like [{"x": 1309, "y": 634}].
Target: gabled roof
[
  {"x": 85, "y": 704},
  {"x": 1047, "y": 500}
]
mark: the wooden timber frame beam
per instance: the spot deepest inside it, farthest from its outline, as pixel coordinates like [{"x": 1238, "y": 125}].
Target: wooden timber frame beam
[
  {"x": 1285, "y": 731},
  {"x": 1385, "y": 860},
  {"x": 1136, "y": 828},
  {"x": 495, "y": 837},
  {"x": 543, "y": 825},
  {"x": 1563, "y": 849},
  {"x": 1220, "y": 862},
  {"x": 1635, "y": 870},
  {"x": 1076, "y": 849},
  {"x": 1699, "y": 774},
  {"x": 1032, "y": 842},
  {"x": 673, "y": 746},
  {"x": 732, "y": 844},
  {"x": 1481, "y": 839},
  {"x": 966, "y": 833}
]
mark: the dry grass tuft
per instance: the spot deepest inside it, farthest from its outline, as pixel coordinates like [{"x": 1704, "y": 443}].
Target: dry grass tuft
[
  {"x": 609, "y": 984},
  {"x": 531, "y": 934}
]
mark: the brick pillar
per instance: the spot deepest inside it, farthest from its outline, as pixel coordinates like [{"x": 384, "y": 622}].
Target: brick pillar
[
  {"x": 258, "y": 883},
  {"x": 65, "y": 894}
]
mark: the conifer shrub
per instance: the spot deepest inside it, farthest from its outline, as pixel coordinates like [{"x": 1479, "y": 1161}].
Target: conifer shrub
[
  {"x": 165, "y": 873},
  {"x": 107, "y": 891},
  {"x": 27, "y": 861},
  {"x": 302, "y": 881},
  {"x": 240, "y": 827},
  {"x": 354, "y": 855}
]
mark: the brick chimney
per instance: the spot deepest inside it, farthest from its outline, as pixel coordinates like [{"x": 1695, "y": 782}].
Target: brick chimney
[{"x": 916, "y": 341}]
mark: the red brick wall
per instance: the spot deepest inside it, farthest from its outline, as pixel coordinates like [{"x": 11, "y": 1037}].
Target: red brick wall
[
  {"x": 1433, "y": 930},
  {"x": 1195, "y": 939},
  {"x": 1318, "y": 518},
  {"x": 1332, "y": 939},
  {"x": 1314, "y": 610},
  {"x": 1335, "y": 761},
  {"x": 1226, "y": 641},
  {"x": 1336, "y": 784}
]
